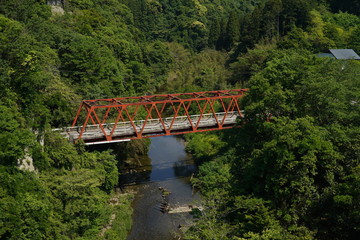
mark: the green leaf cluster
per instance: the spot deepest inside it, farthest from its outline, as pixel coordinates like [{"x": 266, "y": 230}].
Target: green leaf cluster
[{"x": 291, "y": 167}]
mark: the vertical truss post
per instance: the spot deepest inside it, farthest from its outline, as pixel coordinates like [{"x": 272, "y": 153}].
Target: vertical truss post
[
  {"x": 85, "y": 123},
  {"x": 146, "y": 119},
  {"x": 106, "y": 115},
  {"x": 78, "y": 113},
  {"x": 116, "y": 122}
]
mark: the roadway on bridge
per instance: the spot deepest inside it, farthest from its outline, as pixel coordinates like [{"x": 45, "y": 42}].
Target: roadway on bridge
[{"x": 150, "y": 127}]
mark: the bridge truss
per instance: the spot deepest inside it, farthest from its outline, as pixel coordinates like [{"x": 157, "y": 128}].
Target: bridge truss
[{"x": 126, "y": 118}]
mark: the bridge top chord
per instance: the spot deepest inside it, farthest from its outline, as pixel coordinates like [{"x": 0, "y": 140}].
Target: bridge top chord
[{"x": 160, "y": 98}]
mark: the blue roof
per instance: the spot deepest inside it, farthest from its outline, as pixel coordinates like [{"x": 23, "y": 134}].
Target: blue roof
[{"x": 344, "y": 54}]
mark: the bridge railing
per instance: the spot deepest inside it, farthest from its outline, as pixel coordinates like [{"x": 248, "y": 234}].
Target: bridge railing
[{"x": 179, "y": 120}]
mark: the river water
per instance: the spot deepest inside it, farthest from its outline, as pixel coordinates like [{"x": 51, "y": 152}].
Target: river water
[{"x": 169, "y": 167}]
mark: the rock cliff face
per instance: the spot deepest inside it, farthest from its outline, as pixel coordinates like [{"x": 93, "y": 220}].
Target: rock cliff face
[
  {"x": 26, "y": 163},
  {"x": 57, "y": 6},
  {"x": 57, "y": 10},
  {"x": 56, "y": 3}
]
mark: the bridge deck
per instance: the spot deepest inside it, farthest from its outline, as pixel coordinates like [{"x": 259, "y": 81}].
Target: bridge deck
[{"x": 151, "y": 127}]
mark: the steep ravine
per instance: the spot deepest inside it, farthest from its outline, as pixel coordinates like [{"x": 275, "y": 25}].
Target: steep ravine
[{"x": 163, "y": 183}]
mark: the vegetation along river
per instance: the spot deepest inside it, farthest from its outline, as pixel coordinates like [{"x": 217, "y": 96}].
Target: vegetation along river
[{"x": 163, "y": 184}]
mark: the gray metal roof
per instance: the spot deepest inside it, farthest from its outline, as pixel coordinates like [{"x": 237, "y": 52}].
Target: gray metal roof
[{"x": 344, "y": 54}]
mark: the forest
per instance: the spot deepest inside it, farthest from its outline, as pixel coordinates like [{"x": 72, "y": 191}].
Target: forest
[{"x": 293, "y": 176}]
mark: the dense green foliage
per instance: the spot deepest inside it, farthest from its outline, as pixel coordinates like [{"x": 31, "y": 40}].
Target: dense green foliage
[
  {"x": 67, "y": 199},
  {"x": 294, "y": 177}
]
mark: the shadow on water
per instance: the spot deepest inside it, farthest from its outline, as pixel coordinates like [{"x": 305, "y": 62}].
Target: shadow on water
[
  {"x": 167, "y": 166},
  {"x": 144, "y": 176}
]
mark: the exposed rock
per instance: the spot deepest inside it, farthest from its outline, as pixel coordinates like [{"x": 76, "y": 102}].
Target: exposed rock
[
  {"x": 57, "y": 10},
  {"x": 57, "y": 6},
  {"x": 56, "y": 2},
  {"x": 184, "y": 209},
  {"x": 27, "y": 163}
]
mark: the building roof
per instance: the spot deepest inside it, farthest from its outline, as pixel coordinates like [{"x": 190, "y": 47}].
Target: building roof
[{"x": 344, "y": 54}]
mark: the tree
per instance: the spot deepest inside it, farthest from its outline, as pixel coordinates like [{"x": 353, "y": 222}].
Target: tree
[
  {"x": 351, "y": 6},
  {"x": 14, "y": 137},
  {"x": 271, "y": 19},
  {"x": 354, "y": 42},
  {"x": 91, "y": 68},
  {"x": 214, "y": 33},
  {"x": 251, "y": 28},
  {"x": 24, "y": 207},
  {"x": 285, "y": 168},
  {"x": 250, "y": 63},
  {"x": 232, "y": 32},
  {"x": 337, "y": 213},
  {"x": 25, "y": 10},
  {"x": 204, "y": 146},
  {"x": 292, "y": 166},
  {"x": 79, "y": 206},
  {"x": 295, "y": 13}
]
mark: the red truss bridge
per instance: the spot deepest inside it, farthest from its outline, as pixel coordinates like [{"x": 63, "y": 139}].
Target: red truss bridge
[{"x": 122, "y": 119}]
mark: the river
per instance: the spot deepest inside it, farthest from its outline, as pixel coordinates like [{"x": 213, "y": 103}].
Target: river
[{"x": 166, "y": 168}]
